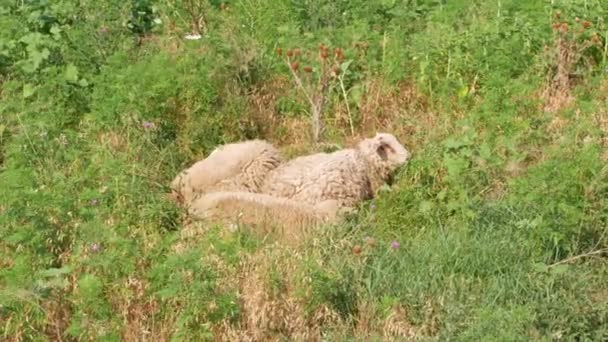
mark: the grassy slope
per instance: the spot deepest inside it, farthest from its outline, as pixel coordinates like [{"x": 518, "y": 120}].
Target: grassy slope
[{"x": 498, "y": 188}]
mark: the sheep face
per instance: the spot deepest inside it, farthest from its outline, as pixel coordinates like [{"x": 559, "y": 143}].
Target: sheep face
[{"x": 384, "y": 152}]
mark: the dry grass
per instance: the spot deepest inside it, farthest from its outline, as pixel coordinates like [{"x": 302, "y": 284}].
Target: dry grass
[
  {"x": 399, "y": 109},
  {"x": 136, "y": 310},
  {"x": 558, "y": 90},
  {"x": 603, "y": 124},
  {"x": 398, "y": 324},
  {"x": 113, "y": 141},
  {"x": 268, "y": 314}
]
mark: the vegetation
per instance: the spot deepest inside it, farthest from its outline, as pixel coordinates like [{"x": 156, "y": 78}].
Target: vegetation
[{"x": 496, "y": 230}]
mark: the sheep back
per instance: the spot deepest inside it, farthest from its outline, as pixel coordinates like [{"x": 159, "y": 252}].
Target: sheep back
[
  {"x": 348, "y": 176},
  {"x": 339, "y": 176},
  {"x": 238, "y": 166}
]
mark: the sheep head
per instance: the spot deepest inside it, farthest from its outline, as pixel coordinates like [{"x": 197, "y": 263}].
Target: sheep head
[{"x": 384, "y": 153}]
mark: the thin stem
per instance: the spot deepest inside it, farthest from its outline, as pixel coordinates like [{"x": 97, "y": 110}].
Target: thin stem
[
  {"x": 299, "y": 82},
  {"x": 315, "y": 107},
  {"x": 350, "y": 117},
  {"x": 580, "y": 256}
]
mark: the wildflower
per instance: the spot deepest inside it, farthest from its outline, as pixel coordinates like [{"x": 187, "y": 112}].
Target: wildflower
[
  {"x": 63, "y": 140},
  {"x": 279, "y": 51},
  {"x": 395, "y": 245},
  {"x": 586, "y": 24},
  {"x": 356, "y": 249},
  {"x": 297, "y": 52},
  {"x": 222, "y": 6},
  {"x": 103, "y": 30},
  {"x": 193, "y": 36},
  {"x": 148, "y": 125},
  {"x": 564, "y": 27},
  {"x": 308, "y": 68},
  {"x": 289, "y": 53},
  {"x": 324, "y": 54},
  {"x": 295, "y": 66},
  {"x": 94, "y": 201},
  {"x": 95, "y": 248}
]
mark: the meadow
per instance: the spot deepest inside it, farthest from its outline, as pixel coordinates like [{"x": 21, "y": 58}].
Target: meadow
[{"x": 496, "y": 230}]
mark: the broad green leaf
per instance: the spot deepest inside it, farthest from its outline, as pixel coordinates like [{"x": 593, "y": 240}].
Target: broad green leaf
[
  {"x": 71, "y": 73},
  {"x": 463, "y": 92},
  {"x": 559, "y": 269},
  {"x": 28, "y": 90},
  {"x": 426, "y": 206},
  {"x": 56, "y": 31},
  {"x": 540, "y": 267},
  {"x": 55, "y": 272},
  {"x": 484, "y": 151},
  {"x": 344, "y": 66}
]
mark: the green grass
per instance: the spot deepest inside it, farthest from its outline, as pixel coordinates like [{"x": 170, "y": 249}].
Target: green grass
[{"x": 501, "y": 216}]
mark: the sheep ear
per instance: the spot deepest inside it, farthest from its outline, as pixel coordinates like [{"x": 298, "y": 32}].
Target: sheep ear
[{"x": 384, "y": 148}]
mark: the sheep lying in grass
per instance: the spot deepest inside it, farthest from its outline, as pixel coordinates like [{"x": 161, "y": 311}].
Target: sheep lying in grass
[
  {"x": 309, "y": 190},
  {"x": 241, "y": 166},
  {"x": 347, "y": 176},
  {"x": 263, "y": 213}
]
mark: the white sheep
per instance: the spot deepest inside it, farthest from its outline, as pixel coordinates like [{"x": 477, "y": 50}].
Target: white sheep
[
  {"x": 263, "y": 213},
  {"x": 240, "y": 166},
  {"x": 347, "y": 176}
]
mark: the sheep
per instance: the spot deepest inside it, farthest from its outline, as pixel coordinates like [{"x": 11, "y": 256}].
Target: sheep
[
  {"x": 309, "y": 190},
  {"x": 347, "y": 176},
  {"x": 263, "y": 213},
  {"x": 240, "y": 166}
]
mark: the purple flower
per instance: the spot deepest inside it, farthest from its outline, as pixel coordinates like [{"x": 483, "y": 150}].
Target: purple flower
[
  {"x": 94, "y": 201},
  {"x": 148, "y": 125},
  {"x": 103, "y": 30},
  {"x": 95, "y": 248},
  {"x": 395, "y": 245}
]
